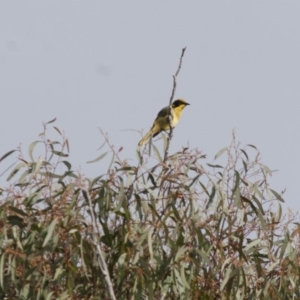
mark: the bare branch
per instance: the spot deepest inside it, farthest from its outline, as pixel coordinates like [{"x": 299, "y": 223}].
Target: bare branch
[
  {"x": 96, "y": 242},
  {"x": 170, "y": 104}
]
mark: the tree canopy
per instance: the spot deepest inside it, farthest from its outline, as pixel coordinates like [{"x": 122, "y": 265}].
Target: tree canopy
[{"x": 173, "y": 228}]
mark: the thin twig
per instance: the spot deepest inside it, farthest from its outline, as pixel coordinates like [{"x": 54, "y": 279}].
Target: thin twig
[
  {"x": 170, "y": 105},
  {"x": 96, "y": 242}
]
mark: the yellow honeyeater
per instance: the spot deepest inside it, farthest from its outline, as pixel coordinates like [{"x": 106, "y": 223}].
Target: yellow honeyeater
[{"x": 162, "y": 123}]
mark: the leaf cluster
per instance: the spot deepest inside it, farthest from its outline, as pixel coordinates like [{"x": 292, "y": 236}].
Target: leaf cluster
[{"x": 179, "y": 229}]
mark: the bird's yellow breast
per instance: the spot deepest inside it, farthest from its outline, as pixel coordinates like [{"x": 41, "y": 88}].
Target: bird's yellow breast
[
  {"x": 177, "y": 111},
  {"x": 162, "y": 120}
]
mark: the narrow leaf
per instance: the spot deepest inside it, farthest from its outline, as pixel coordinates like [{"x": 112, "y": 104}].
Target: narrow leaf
[
  {"x": 140, "y": 156},
  {"x": 204, "y": 188},
  {"x": 183, "y": 278},
  {"x": 2, "y": 263},
  {"x": 157, "y": 153},
  {"x": 59, "y": 153},
  {"x": 252, "y": 146},
  {"x": 220, "y": 152},
  {"x": 50, "y": 232},
  {"x": 97, "y": 159},
  {"x": 215, "y": 166},
  {"x": 15, "y": 171},
  {"x": 245, "y": 166},
  {"x": 245, "y": 153},
  {"x": 259, "y": 205},
  {"x": 237, "y": 181},
  {"x": 111, "y": 161},
  {"x": 17, "y": 210},
  {"x": 252, "y": 244},
  {"x": 53, "y": 120},
  {"x": 30, "y": 149},
  {"x": 150, "y": 244},
  {"x": 193, "y": 181},
  {"x": 229, "y": 273},
  {"x": 57, "y": 130},
  {"x": 278, "y": 197},
  {"x": 67, "y": 164},
  {"x": 67, "y": 144},
  {"x": 7, "y": 154},
  {"x": 211, "y": 197}
]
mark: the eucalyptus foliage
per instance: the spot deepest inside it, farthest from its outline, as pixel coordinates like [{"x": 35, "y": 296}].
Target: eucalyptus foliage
[{"x": 181, "y": 228}]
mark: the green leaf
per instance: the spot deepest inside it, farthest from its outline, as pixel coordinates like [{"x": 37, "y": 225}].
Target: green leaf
[
  {"x": 256, "y": 190},
  {"x": 272, "y": 266},
  {"x": 67, "y": 145},
  {"x": 49, "y": 296},
  {"x": 95, "y": 180},
  {"x": 7, "y": 154},
  {"x": 64, "y": 296},
  {"x": 97, "y": 159},
  {"x": 179, "y": 283},
  {"x": 236, "y": 189},
  {"x": 261, "y": 219},
  {"x": 157, "y": 153},
  {"x": 165, "y": 141},
  {"x": 251, "y": 245},
  {"x": 285, "y": 244},
  {"x": 215, "y": 166},
  {"x": 67, "y": 164},
  {"x": 266, "y": 169},
  {"x": 244, "y": 182},
  {"x": 57, "y": 130},
  {"x": 194, "y": 179},
  {"x": 111, "y": 161},
  {"x": 250, "y": 203},
  {"x": 245, "y": 166},
  {"x": 58, "y": 272},
  {"x": 252, "y": 146},
  {"x": 211, "y": 197},
  {"x": 278, "y": 197},
  {"x": 30, "y": 149},
  {"x": 18, "y": 211},
  {"x": 59, "y": 153},
  {"x": 122, "y": 261},
  {"x": 183, "y": 277},
  {"x": 126, "y": 169},
  {"x": 36, "y": 166},
  {"x": 15, "y": 171},
  {"x": 204, "y": 256},
  {"x": 279, "y": 213},
  {"x": 220, "y": 152},
  {"x": 15, "y": 220},
  {"x": 245, "y": 153},
  {"x": 2, "y": 264},
  {"x": 139, "y": 155},
  {"x": 237, "y": 181},
  {"x": 228, "y": 275},
  {"x": 150, "y": 176},
  {"x": 50, "y": 232},
  {"x": 150, "y": 246},
  {"x": 53, "y": 120},
  {"x": 180, "y": 253},
  {"x": 204, "y": 188},
  {"x": 258, "y": 204}
]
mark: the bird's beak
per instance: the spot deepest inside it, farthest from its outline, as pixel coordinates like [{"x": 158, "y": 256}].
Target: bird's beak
[{"x": 187, "y": 104}]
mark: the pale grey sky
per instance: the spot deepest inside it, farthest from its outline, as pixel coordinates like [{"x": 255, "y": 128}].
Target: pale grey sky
[{"x": 109, "y": 64}]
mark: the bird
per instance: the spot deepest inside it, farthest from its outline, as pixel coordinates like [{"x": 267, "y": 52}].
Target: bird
[{"x": 162, "y": 122}]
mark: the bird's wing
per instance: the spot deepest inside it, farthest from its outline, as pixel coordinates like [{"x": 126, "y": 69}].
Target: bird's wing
[{"x": 163, "y": 113}]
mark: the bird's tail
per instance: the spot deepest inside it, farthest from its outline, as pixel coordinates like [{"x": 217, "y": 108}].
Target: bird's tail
[{"x": 146, "y": 138}]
